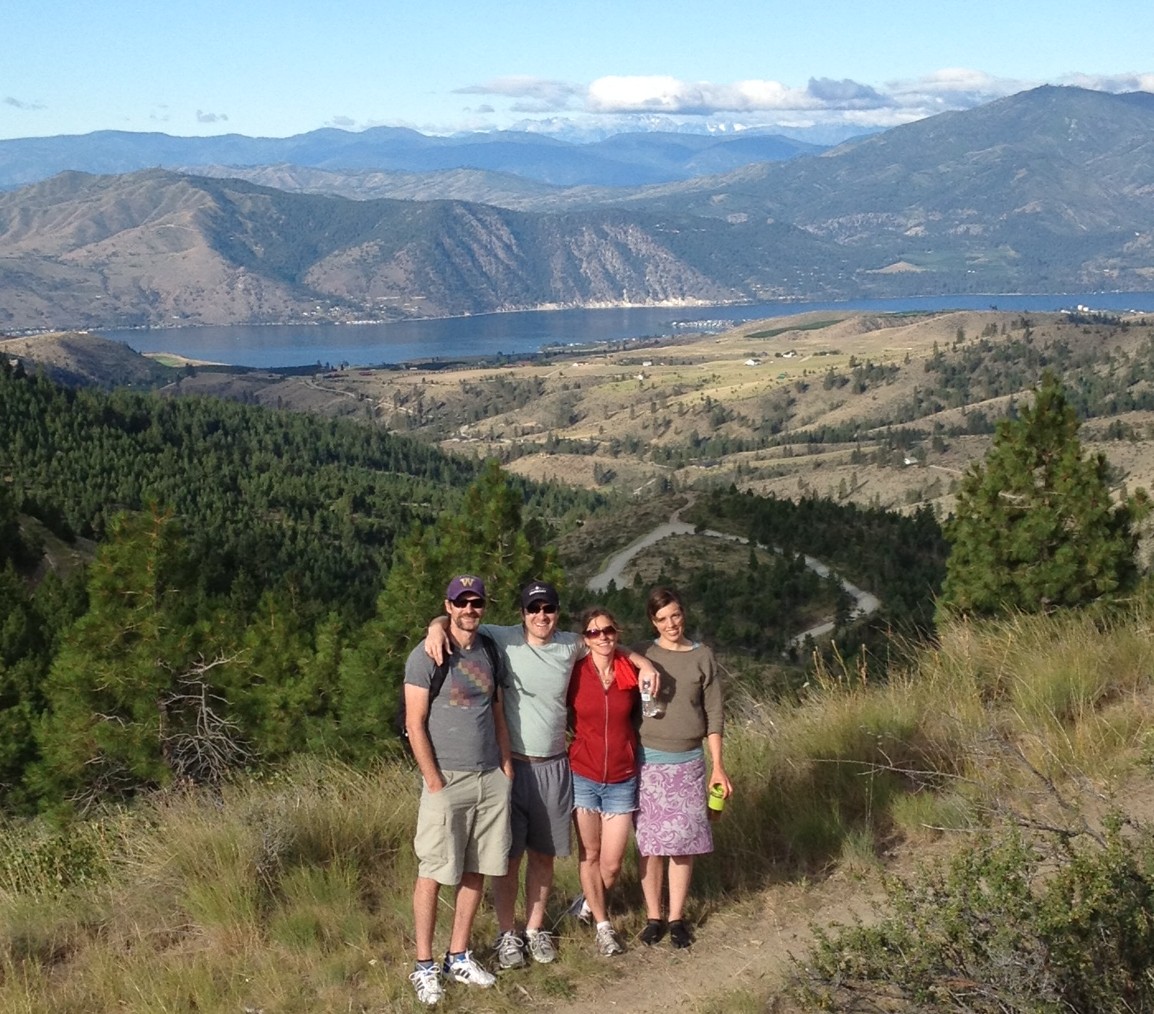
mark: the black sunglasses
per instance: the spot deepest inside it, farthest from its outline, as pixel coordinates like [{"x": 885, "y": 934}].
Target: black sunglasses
[
  {"x": 540, "y": 607},
  {"x": 464, "y": 601},
  {"x": 593, "y": 632}
]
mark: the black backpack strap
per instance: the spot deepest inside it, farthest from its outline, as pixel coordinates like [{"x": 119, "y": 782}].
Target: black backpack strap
[
  {"x": 437, "y": 680},
  {"x": 494, "y": 652}
]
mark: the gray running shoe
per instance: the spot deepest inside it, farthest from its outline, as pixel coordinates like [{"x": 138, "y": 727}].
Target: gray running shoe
[
  {"x": 540, "y": 945},
  {"x": 510, "y": 951},
  {"x": 607, "y": 942},
  {"x": 427, "y": 983},
  {"x": 465, "y": 969}
]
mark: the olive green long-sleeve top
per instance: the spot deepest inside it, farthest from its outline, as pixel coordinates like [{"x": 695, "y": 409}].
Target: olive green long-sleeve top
[{"x": 692, "y": 694}]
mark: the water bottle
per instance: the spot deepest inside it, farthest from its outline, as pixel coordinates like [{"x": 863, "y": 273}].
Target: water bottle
[
  {"x": 651, "y": 707},
  {"x": 716, "y": 800}
]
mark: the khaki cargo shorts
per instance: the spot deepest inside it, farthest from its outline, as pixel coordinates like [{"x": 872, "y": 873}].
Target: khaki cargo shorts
[{"x": 464, "y": 828}]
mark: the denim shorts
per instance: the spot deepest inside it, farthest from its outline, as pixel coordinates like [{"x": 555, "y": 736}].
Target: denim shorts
[{"x": 604, "y": 797}]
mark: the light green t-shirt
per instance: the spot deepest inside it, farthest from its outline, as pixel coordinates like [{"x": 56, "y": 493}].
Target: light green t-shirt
[{"x": 538, "y": 680}]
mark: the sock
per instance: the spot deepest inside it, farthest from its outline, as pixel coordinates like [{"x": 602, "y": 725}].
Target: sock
[
  {"x": 451, "y": 956},
  {"x": 607, "y": 924},
  {"x": 426, "y": 963}
]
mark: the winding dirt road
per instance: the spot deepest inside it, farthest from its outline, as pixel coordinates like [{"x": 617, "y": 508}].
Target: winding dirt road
[{"x": 864, "y": 602}]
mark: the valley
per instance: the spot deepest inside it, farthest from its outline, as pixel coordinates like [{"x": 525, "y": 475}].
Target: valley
[{"x": 877, "y": 410}]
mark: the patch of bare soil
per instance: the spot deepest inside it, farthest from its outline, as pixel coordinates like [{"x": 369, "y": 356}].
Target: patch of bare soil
[{"x": 744, "y": 950}]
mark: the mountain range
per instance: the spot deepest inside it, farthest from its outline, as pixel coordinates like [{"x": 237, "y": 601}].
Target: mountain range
[
  {"x": 1049, "y": 190},
  {"x": 633, "y": 159}
]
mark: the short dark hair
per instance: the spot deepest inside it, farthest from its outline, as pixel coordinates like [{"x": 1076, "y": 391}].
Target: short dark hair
[{"x": 659, "y": 598}]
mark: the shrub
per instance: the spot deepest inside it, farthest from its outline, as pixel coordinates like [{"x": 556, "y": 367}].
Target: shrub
[{"x": 1054, "y": 924}]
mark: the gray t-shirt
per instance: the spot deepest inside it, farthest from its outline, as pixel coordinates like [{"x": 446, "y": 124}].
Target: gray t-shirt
[
  {"x": 461, "y": 725},
  {"x": 535, "y": 695}
]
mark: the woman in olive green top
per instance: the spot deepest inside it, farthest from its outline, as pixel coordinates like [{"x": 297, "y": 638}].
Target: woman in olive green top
[{"x": 672, "y": 823}]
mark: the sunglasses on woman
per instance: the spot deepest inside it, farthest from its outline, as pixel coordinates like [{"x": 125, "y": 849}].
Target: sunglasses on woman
[{"x": 594, "y": 632}]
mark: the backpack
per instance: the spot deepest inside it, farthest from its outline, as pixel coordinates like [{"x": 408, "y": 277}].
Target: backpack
[{"x": 437, "y": 680}]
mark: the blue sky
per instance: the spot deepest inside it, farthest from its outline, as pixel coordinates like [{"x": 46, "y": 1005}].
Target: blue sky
[{"x": 274, "y": 69}]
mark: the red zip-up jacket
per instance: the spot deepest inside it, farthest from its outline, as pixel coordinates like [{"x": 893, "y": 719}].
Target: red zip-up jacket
[{"x": 605, "y": 722}]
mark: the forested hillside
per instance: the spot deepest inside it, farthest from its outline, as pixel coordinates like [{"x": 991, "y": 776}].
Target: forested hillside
[
  {"x": 226, "y": 518},
  {"x": 251, "y": 579}
]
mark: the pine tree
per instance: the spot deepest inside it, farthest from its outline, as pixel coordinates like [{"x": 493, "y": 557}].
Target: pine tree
[
  {"x": 1035, "y": 526},
  {"x": 485, "y": 536},
  {"x": 123, "y": 685}
]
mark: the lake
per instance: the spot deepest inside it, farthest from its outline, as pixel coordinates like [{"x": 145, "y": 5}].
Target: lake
[{"x": 275, "y": 345}]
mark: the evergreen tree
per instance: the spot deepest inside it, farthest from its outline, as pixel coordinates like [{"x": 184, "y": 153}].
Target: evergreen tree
[
  {"x": 282, "y": 684},
  {"x": 1035, "y": 526},
  {"x": 126, "y": 690},
  {"x": 486, "y": 537}
]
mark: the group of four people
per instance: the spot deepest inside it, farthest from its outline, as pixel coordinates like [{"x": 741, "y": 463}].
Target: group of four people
[{"x": 489, "y": 710}]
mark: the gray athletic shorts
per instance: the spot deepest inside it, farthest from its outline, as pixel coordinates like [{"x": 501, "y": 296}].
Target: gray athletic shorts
[
  {"x": 542, "y": 803},
  {"x": 464, "y": 828}
]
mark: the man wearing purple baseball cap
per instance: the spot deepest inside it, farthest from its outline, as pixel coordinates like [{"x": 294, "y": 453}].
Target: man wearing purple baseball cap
[
  {"x": 455, "y": 720},
  {"x": 539, "y": 660}
]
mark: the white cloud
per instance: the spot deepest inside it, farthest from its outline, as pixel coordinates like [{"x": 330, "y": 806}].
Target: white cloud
[
  {"x": 671, "y": 95},
  {"x": 765, "y": 103},
  {"x": 1111, "y": 82},
  {"x": 203, "y": 117}
]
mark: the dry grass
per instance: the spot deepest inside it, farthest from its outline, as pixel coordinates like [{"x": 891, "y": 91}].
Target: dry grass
[
  {"x": 663, "y": 396},
  {"x": 292, "y": 894}
]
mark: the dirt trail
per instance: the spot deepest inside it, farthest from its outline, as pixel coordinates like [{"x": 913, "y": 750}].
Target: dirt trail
[
  {"x": 744, "y": 949},
  {"x": 748, "y": 947}
]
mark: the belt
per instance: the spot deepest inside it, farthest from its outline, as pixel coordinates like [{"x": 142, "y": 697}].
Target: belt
[{"x": 538, "y": 760}]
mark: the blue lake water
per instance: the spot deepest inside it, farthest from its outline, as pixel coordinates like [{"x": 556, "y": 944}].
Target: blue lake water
[{"x": 270, "y": 346}]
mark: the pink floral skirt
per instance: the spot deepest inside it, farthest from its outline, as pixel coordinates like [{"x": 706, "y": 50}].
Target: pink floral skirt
[{"x": 671, "y": 815}]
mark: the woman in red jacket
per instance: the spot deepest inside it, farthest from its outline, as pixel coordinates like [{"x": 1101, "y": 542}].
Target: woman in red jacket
[{"x": 604, "y": 714}]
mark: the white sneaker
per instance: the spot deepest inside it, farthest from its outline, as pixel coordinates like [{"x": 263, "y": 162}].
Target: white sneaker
[
  {"x": 427, "y": 983},
  {"x": 510, "y": 950},
  {"x": 541, "y": 946},
  {"x": 579, "y": 909},
  {"x": 607, "y": 942},
  {"x": 465, "y": 969}
]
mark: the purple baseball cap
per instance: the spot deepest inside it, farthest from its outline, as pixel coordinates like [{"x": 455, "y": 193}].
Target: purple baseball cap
[{"x": 465, "y": 583}]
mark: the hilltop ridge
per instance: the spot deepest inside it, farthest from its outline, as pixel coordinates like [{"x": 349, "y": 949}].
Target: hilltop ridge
[{"x": 1046, "y": 191}]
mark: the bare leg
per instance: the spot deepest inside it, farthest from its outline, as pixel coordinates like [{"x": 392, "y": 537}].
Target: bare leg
[
  {"x": 505, "y": 890},
  {"x": 469, "y": 892},
  {"x": 589, "y": 856},
  {"x": 651, "y": 869},
  {"x": 680, "y": 873},
  {"x": 425, "y": 916},
  {"x": 615, "y": 830},
  {"x": 538, "y": 881}
]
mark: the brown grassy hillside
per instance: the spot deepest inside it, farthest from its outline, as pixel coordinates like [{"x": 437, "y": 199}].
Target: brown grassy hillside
[
  {"x": 743, "y": 407},
  {"x": 628, "y": 417}
]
